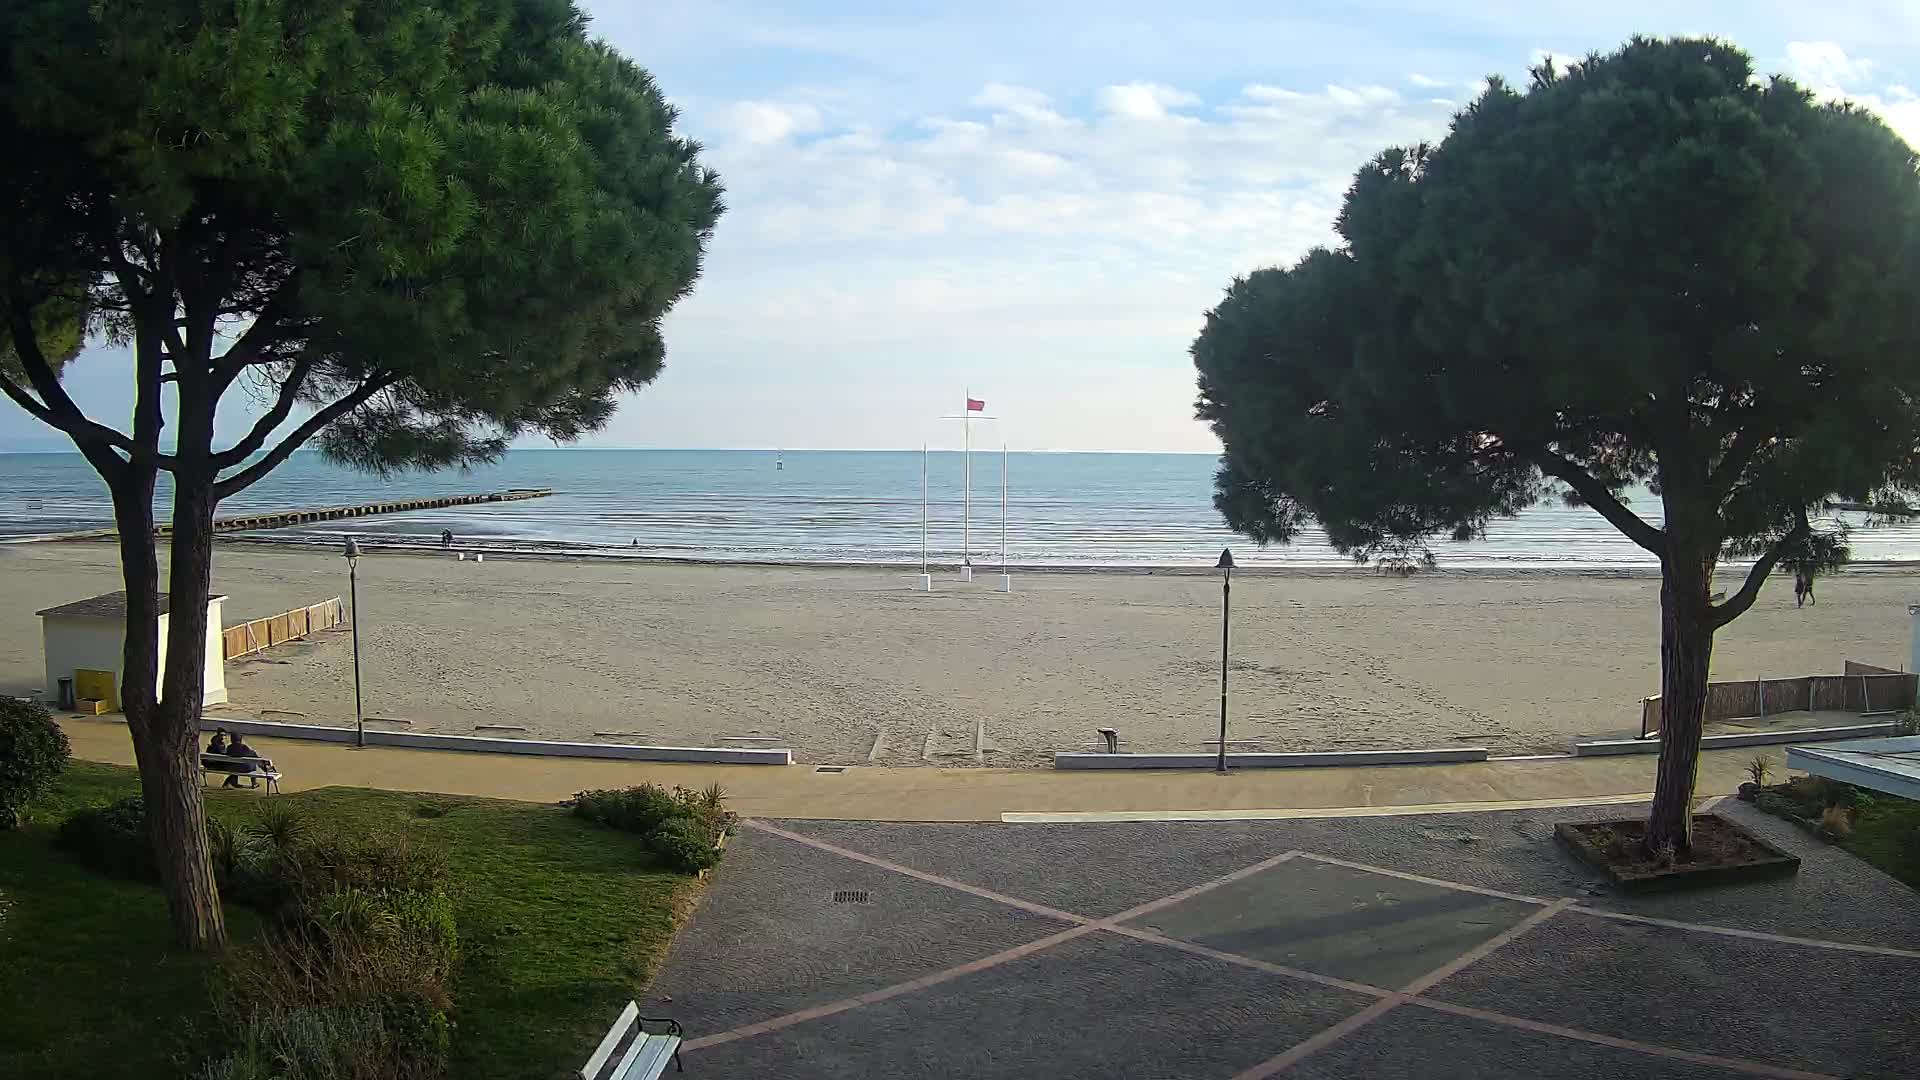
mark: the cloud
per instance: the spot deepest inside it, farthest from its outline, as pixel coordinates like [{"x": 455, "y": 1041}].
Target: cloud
[
  {"x": 1426, "y": 82},
  {"x": 759, "y": 122},
  {"x": 1825, "y": 68},
  {"x": 1144, "y": 100}
]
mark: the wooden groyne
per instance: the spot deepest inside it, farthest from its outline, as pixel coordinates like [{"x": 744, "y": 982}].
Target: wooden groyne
[{"x": 287, "y": 518}]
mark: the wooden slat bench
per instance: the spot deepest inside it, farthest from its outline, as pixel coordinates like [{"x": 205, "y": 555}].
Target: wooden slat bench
[
  {"x": 254, "y": 769},
  {"x": 630, "y": 1052}
]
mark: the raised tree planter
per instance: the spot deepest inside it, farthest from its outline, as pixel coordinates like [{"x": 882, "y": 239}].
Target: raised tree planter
[{"x": 1723, "y": 854}]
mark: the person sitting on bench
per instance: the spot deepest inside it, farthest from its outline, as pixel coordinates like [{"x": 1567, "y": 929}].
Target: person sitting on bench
[
  {"x": 239, "y": 748},
  {"x": 218, "y": 744}
]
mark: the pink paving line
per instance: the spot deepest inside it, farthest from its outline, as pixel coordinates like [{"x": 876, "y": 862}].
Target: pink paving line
[
  {"x": 1752, "y": 935},
  {"x": 1404, "y": 876},
  {"x": 1085, "y": 926},
  {"x": 922, "y": 875},
  {"x": 1313, "y": 1044},
  {"x": 1247, "y": 961},
  {"x": 897, "y": 989},
  {"x": 1757, "y": 1068}
]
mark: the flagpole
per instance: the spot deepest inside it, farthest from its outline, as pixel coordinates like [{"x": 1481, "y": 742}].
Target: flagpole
[
  {"x": 1003, "y": 509},
  {"x": 966, "y": 513},
  {"x": 923, "y": 509}
]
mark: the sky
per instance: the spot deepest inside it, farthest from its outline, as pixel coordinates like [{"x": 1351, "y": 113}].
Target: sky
[{"x": 1037, "y": 203}]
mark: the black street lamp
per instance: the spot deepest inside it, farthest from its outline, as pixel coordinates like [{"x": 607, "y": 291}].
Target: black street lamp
[
  {"x": 353, "y": 595},
  {"x": 1225, "y": 566}
]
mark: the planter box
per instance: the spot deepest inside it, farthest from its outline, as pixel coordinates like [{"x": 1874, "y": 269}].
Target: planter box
[{"x": 1755, "y": 859}]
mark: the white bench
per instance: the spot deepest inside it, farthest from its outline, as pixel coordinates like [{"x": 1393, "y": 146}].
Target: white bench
[
  {"x": 255, "y": 769},
  {"x": 642, "y": 1055}
]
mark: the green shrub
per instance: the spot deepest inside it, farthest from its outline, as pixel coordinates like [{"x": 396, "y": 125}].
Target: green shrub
[
  {"x": 640, "y": 809},
  {"x": 111, "y": 838},
  {"x": 680, "y": 826},
  {"x": 393, "y": 1036},
  {"x": 353, "y": 977},
  {"x": 33, "y": 750},
  {"x": 684, "y": 844}
]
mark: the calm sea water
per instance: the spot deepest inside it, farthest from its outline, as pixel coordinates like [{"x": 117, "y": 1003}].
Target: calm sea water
[{"x": 830, "y": 506}]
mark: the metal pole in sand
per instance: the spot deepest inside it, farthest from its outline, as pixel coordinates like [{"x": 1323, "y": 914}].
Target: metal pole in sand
[
  {"x": 353, "y": 596},
  {"x": 925, "y": 584},
  {"x": 1006, "y": 579}
]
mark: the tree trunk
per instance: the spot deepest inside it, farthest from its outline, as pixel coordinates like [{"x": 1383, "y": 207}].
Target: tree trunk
[
  {"x": 1686, "y": 655},
  {"x": 176, "y": 814}
]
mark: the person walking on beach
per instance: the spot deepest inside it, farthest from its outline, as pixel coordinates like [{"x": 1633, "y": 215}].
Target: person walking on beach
[
  {"x": 446, "y": 538},
  {"x": 1803, "y": 589}
]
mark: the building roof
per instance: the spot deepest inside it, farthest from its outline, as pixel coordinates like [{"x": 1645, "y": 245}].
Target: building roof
[
  {"x": 111, "y": 605},
  {"x": 1891, "y": 765}
]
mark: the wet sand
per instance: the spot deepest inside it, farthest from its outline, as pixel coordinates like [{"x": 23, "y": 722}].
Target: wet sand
[{"x": 825, "y": 660}]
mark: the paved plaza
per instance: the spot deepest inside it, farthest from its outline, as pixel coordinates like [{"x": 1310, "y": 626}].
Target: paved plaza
[{"x": 1463, "y": 945}]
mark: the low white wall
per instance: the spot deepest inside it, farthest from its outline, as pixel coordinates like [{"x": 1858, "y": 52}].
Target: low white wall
[
  {"x": 708, "y": 755},
  {"x": 1610, "y": 747},
  {"x": 1066, "y": 759}
]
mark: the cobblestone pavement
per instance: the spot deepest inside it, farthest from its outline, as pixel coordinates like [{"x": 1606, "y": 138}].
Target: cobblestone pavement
[{"x": 1463, "y": 945}]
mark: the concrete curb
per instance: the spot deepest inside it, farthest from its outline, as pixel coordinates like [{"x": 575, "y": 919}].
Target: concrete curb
[
  {"x": 705, "y": 755},
  {"x": 1608, "y": 747},
  {"x": 1076, "y": 759}
]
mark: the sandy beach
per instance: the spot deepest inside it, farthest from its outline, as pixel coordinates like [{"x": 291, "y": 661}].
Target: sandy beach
[{"x": 827, "y": 660}]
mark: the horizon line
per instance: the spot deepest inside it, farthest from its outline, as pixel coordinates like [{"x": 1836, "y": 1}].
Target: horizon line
[{"x": 766, "y": 450}]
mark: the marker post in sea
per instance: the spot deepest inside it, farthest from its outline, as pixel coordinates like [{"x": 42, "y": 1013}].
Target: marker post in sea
[{"x": 1006, "y": 579}]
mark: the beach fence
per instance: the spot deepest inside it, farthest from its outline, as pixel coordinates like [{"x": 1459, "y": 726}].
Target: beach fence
[
  {"x": 1867, "y": 689},
  {"x": 252, "y": 637}
]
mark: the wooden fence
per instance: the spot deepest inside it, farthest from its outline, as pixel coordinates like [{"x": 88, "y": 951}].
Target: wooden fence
[
  {"x": 1865, "y": 688},
  {"x": 251, "y": 637}
]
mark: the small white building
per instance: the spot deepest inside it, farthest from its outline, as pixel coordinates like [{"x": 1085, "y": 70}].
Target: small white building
[{"x": 85, "y": 641}]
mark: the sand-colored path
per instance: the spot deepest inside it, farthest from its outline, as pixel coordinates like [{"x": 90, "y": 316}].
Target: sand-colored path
[{"x": 922, "y": 794}]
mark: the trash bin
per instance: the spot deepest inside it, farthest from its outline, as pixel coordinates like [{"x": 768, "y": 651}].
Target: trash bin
[{"x": 65, "y": 696}]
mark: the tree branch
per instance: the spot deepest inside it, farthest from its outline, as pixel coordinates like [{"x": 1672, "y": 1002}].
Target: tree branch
[
  {"x": 1719, "y": 615},
  {"x": 1595, "y": 494},
  {"x": 55, "y": 408},
  {"x": 266, "y": 329},
  {"x": 1747, "y": 444},
  {"x": 251, "y": 475},
  {"x": 264, "y": 427}
]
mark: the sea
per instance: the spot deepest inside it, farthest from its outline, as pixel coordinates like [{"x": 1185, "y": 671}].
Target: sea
[{"x": 1061, "y": 510}]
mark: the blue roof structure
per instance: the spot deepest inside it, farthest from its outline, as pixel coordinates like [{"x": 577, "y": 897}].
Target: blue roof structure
[{"x": 1891, "y": 765}]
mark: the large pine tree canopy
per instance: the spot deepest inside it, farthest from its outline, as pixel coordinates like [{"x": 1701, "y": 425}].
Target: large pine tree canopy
[
  {"x": 1652, "y": 267},
  {"x": 430, "y": 224}
]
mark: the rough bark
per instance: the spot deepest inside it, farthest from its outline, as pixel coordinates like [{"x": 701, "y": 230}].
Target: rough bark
[
  {"x": 169, "y": 772},
  {"x": 1686, "y": 655}
]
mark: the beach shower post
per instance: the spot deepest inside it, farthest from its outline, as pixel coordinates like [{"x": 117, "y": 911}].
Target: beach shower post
[
  {"x": 353, "y": 597},
  {"x": 925, "y": 584},
  {"x": 1225, "y": 566}
]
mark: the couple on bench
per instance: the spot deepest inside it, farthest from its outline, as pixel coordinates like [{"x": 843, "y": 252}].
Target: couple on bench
[{"x": 235, "y": 747}]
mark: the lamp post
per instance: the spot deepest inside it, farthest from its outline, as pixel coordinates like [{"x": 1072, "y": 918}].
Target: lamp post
[
  {"x": 353, "y": 598},
  {"x": 1225, "y": 566}
]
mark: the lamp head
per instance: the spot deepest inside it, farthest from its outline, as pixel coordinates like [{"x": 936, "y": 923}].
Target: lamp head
[
  {"x": 353, "y": 549},
  {"x": 1226, "y": 560}
]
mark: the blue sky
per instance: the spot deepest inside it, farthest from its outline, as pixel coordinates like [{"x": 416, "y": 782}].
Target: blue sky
[{"x": 1038, "y": 202}]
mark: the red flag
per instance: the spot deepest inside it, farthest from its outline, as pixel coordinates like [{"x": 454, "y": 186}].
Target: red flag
[{"x": 976, "y": 405}]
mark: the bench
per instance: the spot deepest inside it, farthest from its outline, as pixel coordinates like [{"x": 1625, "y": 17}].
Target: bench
[
  {"x": 642, "y": 1054},
  {"x": 254, "y": 769}
]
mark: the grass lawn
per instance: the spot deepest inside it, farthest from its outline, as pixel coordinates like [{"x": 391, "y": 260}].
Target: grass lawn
[
  {"x": 1888, "y": 836},
  {"x": 560, "y": 923}
]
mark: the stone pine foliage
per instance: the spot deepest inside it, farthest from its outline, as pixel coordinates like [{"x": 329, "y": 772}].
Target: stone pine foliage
[
  {"x": 405, "y": 231},
  {"x": 33, "y": 750},
  {"x": 1652, "y": 268}
]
